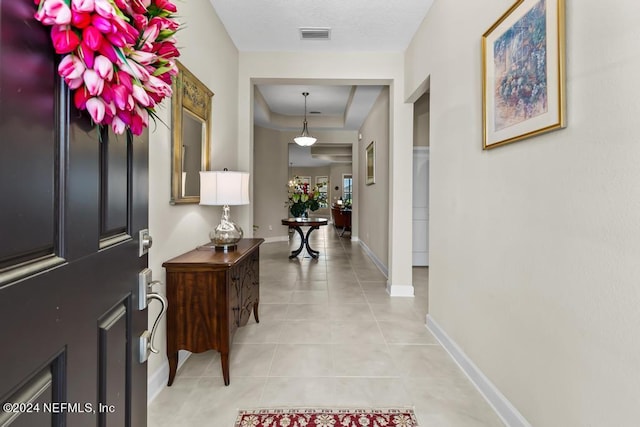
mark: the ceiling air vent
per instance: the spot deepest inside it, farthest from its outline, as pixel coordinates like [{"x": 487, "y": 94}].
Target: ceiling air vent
[{"x": 315, "y": 33}]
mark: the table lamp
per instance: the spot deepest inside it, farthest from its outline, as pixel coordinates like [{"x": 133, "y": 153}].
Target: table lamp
[{"x": 224, "y": 188}]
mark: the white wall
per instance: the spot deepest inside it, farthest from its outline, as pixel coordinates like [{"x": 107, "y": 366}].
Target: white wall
[
  {"x": 535, "y": 246},
  {"x": 373, "y": 200},
  {"x": 208, "y": 53},
  {"x": 270, "y": 177},
  {"x": 320, "y": 68}
]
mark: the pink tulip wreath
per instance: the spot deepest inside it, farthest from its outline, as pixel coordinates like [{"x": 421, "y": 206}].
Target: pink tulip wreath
[{"x": 119, "y": 56}]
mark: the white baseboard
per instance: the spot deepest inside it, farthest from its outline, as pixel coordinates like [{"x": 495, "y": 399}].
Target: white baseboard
[
  {"x": 500, "y": 404},
  {"x": 374, "y": 258},
  {"x": 400, "y": 290},
  {"x": 158, "y": 381},
  {"x": 276, "y": 239}
]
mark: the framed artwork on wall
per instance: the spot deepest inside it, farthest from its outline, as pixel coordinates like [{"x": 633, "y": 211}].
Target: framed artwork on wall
[
  {"x": 370, "y": 163},
  {"x": 523, "y": 73}
]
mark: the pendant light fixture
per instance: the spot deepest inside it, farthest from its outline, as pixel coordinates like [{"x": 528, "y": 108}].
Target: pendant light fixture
[{"x": 305, "y": 140}]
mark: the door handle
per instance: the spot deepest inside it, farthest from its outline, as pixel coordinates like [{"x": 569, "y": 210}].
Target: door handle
[
  {"x": 163, "y": 310},
  {"x": 145, "y": 242},
  {"x": 145, "y": 295}
]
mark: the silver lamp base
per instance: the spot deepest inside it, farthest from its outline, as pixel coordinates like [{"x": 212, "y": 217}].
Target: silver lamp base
[{"x": 227, "y": 234}]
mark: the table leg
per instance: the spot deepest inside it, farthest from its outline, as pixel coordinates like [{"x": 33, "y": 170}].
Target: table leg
[
  {"x": 255, "y": 312},
  {"x": 312, "y": 252},
  {"x": 302, "y": 242},
  {"x": 173, "y": 366},
  {"x": 224, "y": 358}
]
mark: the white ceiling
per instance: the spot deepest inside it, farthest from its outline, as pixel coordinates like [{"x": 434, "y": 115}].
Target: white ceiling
[{"x": 355, "y": 25}]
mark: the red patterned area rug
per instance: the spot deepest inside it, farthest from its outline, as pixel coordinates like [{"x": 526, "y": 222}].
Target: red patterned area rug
[{"x": 326, "y": 418}]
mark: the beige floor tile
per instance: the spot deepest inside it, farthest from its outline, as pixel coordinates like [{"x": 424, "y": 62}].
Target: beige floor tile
[
  {"x": 308, "y": 312},
  {"x": 251, "y": 360},
  {"x": 357, "y": 312},
  {"x": 343, "y": 332},
  {"x": 372, "y": 392},
  {"x": 302, "y": 360},
  {"x": 329, "y": 335},
  {"x": 259, "y": 333},
  {"x": 305, "y": 332},
  {"x": 299, "y": 392},
  {"x": 363, "y": 360},
  {"x": 403, "y": 332}
]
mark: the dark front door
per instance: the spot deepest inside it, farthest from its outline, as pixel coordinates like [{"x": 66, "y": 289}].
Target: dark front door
[{"x": 72, "y": 205}]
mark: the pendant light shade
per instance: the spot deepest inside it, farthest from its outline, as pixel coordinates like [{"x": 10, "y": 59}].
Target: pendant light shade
[{"x": 305, "y": 140}]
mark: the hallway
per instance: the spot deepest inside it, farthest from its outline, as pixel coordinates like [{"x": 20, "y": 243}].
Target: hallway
[{"x": 329, "y": 336}]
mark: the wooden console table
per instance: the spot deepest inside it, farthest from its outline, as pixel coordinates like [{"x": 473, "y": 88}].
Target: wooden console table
[{"x": 210, "y": 294}]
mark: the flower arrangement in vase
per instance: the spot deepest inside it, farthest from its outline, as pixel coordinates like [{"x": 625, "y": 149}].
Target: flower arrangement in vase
[
  {"x": 118, "y": 56},
  {"x": 303, "y": 197}
]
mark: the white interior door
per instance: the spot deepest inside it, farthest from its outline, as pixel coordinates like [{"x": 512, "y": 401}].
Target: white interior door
[{"x": 420, "y": 206}]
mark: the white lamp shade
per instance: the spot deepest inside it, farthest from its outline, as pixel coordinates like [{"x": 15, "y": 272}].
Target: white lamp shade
[
  {"x": 220, "y": 188},
  {"x": 305, "y": 141}
]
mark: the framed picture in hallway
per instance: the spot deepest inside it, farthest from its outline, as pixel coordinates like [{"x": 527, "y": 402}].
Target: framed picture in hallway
[
  {"x": 523, "y": 73},
  {"x": 370, "y": 163}
]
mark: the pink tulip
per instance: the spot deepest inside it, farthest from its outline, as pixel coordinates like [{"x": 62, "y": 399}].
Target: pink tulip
[
  {"x": 140, "y": 6},
  {"x": 104, "y": 8},
  {"x": 124, "y": 6},
  {"x": 140, "y": 95},
  {"x": 82, "y": 5},
  {"x": 125, "y": 116},
  {"x": 125, "y": 80},
  {"x": 64, "y": 39},
  {"x": 71, "y": 67},
  {"x": 118, "y": 125},
  {"x": 80, "y": 19},
  {"x": 93, "y": 82},
  {"x": 166, "y": 5},
  {"x": 110, "y": 52},
  {"x": 140, "y": 21},
  {"x": 143, "y": 113},
  {"x": 74, "y": 83},
  {"x": 122, "y": 98},
  {"x": 109, "y": 112},
  {"x": 129, "y": 32},
  {"x": 107, "y": 92},
  {"x": 53, "y": 12},
  {"x": 137, "y": 124},
  {"x": 149, "y": 35},
  {"x": 168, "y": 50},
  {"x": 135, "y": 70},
  {"x": 103, "y": 24},
  {"x": 92, "y": 38},
  {"x": 87, "y": 54},
  {"x": 80, "y": 98},
  {"x": 103, "y": 67},
  {"x": 116, "y": 39},
  {"x": 96, "y": 109},
  {"x": 154, "y": 84},
  {"x": 164, "y": 23},
  {"x": 143, "y": 58},
  {"x": 165, "y": 77}
]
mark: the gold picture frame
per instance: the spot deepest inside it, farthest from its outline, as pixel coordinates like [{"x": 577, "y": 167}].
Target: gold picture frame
[
  {"x": 191, "y": 135},
  {"x": 523, "y": 73},
  {"x": 370, "y": 163}
]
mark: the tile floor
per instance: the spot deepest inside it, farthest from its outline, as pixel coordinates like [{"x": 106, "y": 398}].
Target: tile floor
[{"x": 329, "y": 336}]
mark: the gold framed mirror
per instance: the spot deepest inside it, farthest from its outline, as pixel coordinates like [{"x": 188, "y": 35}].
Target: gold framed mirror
[{"x": 191, "y": 135}]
